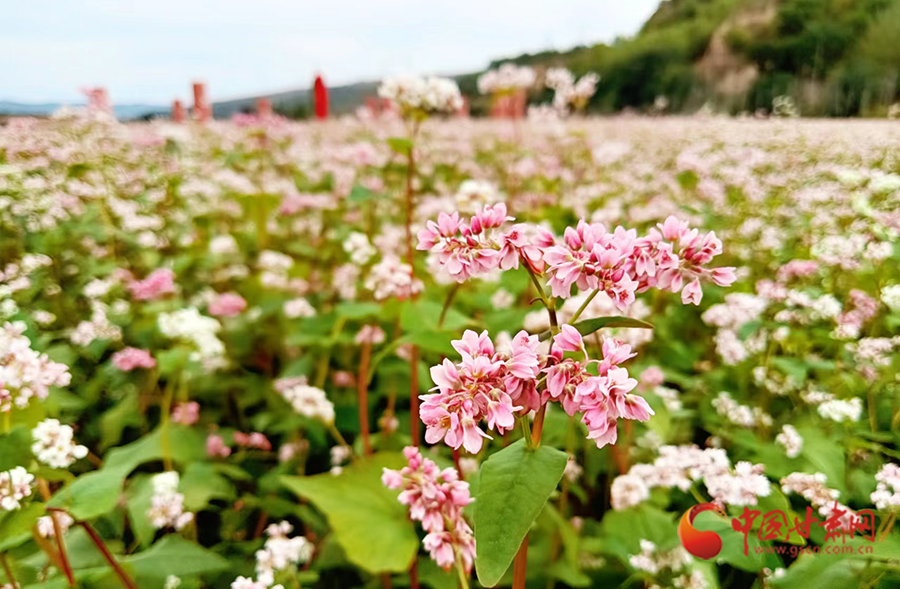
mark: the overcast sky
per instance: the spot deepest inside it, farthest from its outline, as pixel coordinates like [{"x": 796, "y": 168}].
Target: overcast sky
[{"x": 150, "y": 50}]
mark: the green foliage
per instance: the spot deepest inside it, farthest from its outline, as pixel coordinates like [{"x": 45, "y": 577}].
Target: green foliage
[
  {"x": 513, "y": 487},
  {"x": 365, "y": 517}
]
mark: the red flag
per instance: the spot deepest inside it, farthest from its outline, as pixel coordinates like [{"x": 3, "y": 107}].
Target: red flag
[{"x": 320, "y": 96}]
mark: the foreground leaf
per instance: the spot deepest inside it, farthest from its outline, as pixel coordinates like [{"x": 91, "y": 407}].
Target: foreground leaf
[
  {"x": 367, "y": 520},
  {"x": 514, "y": 485}
]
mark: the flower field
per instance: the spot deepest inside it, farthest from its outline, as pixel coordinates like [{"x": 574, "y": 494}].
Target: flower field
[{"x": 422, "y": 352}]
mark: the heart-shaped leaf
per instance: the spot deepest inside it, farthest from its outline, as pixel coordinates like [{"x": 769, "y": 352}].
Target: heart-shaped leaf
[{"x": 514, "y": 485}]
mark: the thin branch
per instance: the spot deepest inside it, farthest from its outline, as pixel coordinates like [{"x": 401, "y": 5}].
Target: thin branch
[
  {"x": 8, "y": 571},
  {"x": 107, "y": 555}
]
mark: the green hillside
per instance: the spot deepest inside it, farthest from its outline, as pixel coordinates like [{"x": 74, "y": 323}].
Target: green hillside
[{"x": 834, "y": 57}]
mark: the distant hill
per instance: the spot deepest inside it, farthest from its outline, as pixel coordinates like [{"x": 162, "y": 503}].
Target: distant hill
[
  {"x": 123, "y": 111},
  {"x": 298, "y": 103},
  {"x": 834, "y": 57}
]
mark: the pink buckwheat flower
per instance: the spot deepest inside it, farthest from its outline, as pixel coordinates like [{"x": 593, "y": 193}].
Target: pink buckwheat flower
[
  {"x": 436, "y": 498},
  {"x": 130, "y": 358},
  {"x": 466, "y": 249},
  {"x": 228, "y": 304},
  {"x": 186, "y": 413},
  {"x": 591, "y": 258},
  {"x": 157, "y": 284},
  {"x": 601, "y": 399},
  {"x": 483, "y": 386},
  {"x": 255, "y": 440},
  {"x": 681, "y": 257},
  {"x": 216, "y": 448}
]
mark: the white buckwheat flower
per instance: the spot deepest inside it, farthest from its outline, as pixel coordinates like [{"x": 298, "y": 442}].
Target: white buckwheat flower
[
  {"x": 790, "y": 440},
  {"x": 54, "y": 444},
  {"x": 15, "y": 485},
  {"x": 839, "y": 410},
  {"x": 305, "y": 399},
  {"x": 167, "y": 504}
]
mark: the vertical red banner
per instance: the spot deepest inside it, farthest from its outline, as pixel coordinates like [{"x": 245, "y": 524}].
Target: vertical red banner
[
  {"x": 202, "y": 108},
  {"x": 320, "y": 97},
  {"x": 177, "y": 111}
]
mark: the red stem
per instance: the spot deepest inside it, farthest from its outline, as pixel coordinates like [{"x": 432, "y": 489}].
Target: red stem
[
  {"x": 410, "y": 259},
  {"x": 519, "y": 565},
  {"x": 414, "y": 575},
  {"x": 107, "y": 555},
  {"x": 362, "y": 389},
  {"x": 8, "y": 572},
  {"x": 414, "y": 395},
  {"x": 61, "y": 545}
]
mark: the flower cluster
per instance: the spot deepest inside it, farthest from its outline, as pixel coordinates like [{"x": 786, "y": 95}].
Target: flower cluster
[
  {"x": 280, "y": 552},
  {"x": 157, "y": 284},
  {"x": 568, "y": 91},
  {"x": 681, "y": 466},
  {"x": 167, "y": 504},
  {"x": 245, "y": 583},
  {"x": 391, "y": 278},
  {"x": 887, "y": 494},
  {"x": 672, "y": 564},
  {"x": 602, "y": 398},
  {"x": 673, "y": 257},
  {"x": 129, "y": 359},
  {"x": 54, "y": 444},
  {"x": 508, "y": 77},
  {"x": 189, "y": 325},
  {"x": 485, "y": 385},
  {"x": 790, "y": 440},
  {"x": 467, "y": 248},
  {"x": 417, "y": 96},
  {"x": 492, "y": 385},
  {"x": 15, "y": 485},
  {"x": 813, "y": 488},
  {"x": 24, "y": 373},
  {"x": 436, "y": 498},
  {"x": 305, "y": 399},
  {"x": 742, "y": 415},
  {"x": 227, "y": 304}
]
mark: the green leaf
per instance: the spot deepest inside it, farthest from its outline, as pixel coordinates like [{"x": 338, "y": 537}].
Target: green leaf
[
  {"x": 173, "y": 555},
  {"x": 139, "y": 500},
  {"x": 15, "y": 448},
  {"x": 92, "y": 494},
  {"x": 367, "y": 520},
  {"x": 353, "y": 310},
  {"x": 822, "y": 572},
  {"x": 201, "y": 484},
  {"x": 514, "y": 485},
  {"x": 400, "y": 145},
  {"x": 589, "y": 326},
  {"x": 96, "y": 493},
  {"x": 15, "y": 526}
]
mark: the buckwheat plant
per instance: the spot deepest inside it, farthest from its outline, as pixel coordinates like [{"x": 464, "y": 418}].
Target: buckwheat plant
[
  {"x": 494, "y": 387},
  {"x": 417, "y": 99}
]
